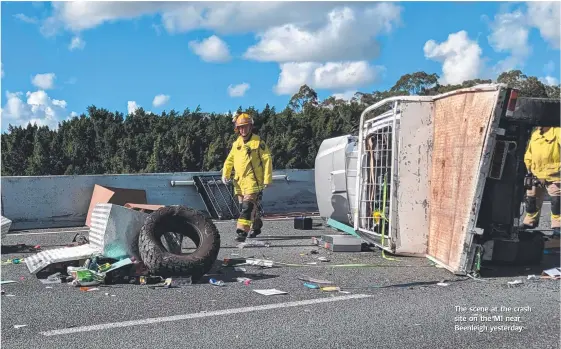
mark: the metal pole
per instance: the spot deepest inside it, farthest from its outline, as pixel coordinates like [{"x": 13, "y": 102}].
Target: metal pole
[{"x": 219, "y": 181}]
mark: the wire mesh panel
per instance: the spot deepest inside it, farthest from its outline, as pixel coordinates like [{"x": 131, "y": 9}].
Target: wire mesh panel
[
  {"x": 376, "y": 181},
  {"x": 218, "y": 197}
]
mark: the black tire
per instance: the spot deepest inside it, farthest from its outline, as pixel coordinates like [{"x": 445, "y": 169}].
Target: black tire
[{"x": 185, "y": 221}]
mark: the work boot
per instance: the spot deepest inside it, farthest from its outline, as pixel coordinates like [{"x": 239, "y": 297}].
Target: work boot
[
  {"x": 254, "y": 233},
  {"x": 242, "y": 235},
  {"x": 556, "y": 234}
]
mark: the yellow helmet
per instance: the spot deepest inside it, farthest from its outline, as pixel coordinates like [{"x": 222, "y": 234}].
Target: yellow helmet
[{"x": 242, "y": 119}]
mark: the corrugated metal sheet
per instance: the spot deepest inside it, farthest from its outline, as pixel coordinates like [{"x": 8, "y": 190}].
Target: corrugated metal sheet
[
  {"x": 43, "y": 259},
  {"x": 6, "y": 223}
]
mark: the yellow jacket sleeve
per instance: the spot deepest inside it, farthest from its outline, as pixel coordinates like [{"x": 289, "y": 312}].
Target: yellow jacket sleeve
[
  {"x": 528, "y": 157},
  {"x": 267, "y": 165},
  {"x": 228, "y": 164}
]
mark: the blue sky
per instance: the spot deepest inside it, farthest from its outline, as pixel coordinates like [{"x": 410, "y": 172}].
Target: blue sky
[{"x": 57, "y": 59}]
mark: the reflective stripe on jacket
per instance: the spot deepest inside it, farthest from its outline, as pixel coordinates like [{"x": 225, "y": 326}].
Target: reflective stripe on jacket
[
  {"x": 542, "y": 155},
  {"x": 252, "y": 165}
]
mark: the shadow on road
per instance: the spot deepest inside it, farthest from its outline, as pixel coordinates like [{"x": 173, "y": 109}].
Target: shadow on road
[{"x": 497, "y": 270}]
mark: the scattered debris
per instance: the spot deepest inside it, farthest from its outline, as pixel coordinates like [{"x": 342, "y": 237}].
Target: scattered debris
[
  {"x": 260, "y": 262},
  {"x": 240, "y": 269},
  {"x": 315, "y": 281},
  {"x": 254, "y": 243},
  {"x": 553, "y": 272},
  {"x": 19, "y": 326},
  {"x": 270, "y": 292},
  {"x": 330, "y": 288},
  {"x": 323, "y": 259},
  {"x": 228, "y": 262},
  {"x": 216, "y": 282},
  {"x": 310, "y": 285},
  {"x": 442, "y": 284},
  {"x": 245, "y": 281},
  {"x": 533, "y": 277},
  {"x": 7, "y": 282},
  {"x": 339, "y": 243},
  {"x": 515, "y": 282}
]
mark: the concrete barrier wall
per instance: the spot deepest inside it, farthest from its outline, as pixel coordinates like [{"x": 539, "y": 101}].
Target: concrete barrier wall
[{"x": 63, "y": 201}]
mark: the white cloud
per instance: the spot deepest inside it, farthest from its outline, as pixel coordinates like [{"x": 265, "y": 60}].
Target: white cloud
[
  {"x": 160, "y": 100},
  {"x": 331, "y": 75},
  {"x": 238, "y": 90},
  {"x": 460, "y": 57},
  {"x": 77, "y": 16},
  {"x": 76, "y": 44},
  {"x": 38, "y": 109},
  {"x": 509, "y": 33},
  {"x": 181, "y": 17},
  {"x": 132, "y": 107},
  {"x": 546, "y": 16},
  {"x": 44, "y": 81},
  {"x": 549, "y": 80},
  {"x": 26, "y": 19},
  {"x": 346, "y": 36},
  {"x": 346, "y": 96},
  {"x": 211, "y": 49}
]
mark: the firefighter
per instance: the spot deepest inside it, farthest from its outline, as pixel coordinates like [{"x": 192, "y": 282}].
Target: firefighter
[
  {"x": 543, "y": 164},
  {"x": 251, "y": 161}
]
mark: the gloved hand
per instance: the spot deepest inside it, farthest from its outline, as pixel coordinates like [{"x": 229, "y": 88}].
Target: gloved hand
[{"x": 225, "y": 180}]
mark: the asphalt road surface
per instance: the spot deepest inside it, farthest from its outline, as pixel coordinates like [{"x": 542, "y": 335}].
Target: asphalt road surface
[{"x": 404, "y": 315}]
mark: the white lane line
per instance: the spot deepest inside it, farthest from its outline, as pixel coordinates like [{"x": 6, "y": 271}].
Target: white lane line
[
  {"x": 200, "y": 315},
  {"x": 48, "y": 232}
]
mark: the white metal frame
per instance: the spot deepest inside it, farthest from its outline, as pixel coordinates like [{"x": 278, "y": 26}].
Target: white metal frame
[{"x": 372, "y": 126}]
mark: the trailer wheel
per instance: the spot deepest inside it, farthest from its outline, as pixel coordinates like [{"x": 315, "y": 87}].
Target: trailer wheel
[{"x": 187, "y": 222}]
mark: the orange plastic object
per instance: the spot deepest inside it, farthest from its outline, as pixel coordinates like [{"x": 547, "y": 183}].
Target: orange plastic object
[{"x": 117, "y": 196}]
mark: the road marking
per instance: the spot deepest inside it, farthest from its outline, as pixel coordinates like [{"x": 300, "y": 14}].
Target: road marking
[
  {"x": 48, "y": 232},
  {"x": 200, "y": 315}
]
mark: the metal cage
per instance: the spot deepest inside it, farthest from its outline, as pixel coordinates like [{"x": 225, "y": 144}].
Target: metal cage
[{"x": 377, "y": 162}]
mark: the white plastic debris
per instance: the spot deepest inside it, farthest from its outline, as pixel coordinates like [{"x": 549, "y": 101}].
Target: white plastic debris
[
  {"x": 270, "y": 292},
  {"x": 515, "y": 282},
  {"x": 254, "y": 243},
  {"x": 259, "y": 262}
]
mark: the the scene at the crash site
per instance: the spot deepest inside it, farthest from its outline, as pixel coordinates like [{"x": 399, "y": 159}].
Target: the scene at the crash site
[{"x": 280, "y": 174}]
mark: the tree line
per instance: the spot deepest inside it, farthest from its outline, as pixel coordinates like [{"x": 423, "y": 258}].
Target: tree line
[{"x": 104, "y": 142}]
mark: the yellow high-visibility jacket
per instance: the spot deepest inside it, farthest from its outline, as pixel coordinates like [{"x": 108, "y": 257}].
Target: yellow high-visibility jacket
[
  {"x": 252, "y": 165},
  {"x": 542, "y": 155}
]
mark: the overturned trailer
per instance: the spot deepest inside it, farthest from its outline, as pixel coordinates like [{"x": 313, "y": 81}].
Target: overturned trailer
[{"x": 436, "y": 176}]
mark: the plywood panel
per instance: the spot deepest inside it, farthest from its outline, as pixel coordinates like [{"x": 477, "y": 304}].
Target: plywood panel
[
  {"x": 460, "y": 129},
  {"x": 413, "y": 185}
]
